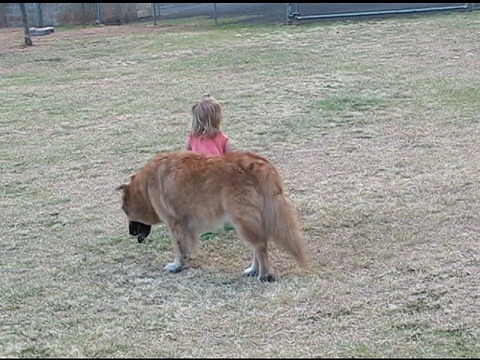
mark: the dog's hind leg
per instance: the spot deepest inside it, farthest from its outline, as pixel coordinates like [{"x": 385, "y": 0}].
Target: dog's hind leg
[
  {"x": 253, "y": 269},
  {"x": 253, "y": 232}
]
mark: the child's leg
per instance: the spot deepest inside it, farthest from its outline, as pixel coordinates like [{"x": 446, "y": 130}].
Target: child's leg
[
  {"x": 209, "y": 235},
  {"x": 228, "y": 227}
]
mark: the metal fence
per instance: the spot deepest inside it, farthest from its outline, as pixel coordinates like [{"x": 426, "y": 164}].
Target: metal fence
[
  {"x": 59, "y": 14},
  {"x": 290, "y": 12}
]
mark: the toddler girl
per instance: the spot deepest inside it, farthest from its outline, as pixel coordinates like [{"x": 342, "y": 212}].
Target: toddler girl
[{"x": 205, "y": 135}]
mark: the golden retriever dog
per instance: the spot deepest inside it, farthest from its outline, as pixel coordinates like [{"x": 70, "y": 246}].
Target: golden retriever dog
[{"x": 192, "y": 193}]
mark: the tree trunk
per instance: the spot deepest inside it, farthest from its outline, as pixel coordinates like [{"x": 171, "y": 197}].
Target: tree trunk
[{"x": 26, "y": 28}]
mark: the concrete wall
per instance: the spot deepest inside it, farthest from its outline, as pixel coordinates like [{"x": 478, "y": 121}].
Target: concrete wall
[{"x": 73, "y": 13}]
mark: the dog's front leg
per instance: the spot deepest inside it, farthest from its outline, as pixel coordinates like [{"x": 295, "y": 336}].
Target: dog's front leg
[{"x": 180, "y": 246}]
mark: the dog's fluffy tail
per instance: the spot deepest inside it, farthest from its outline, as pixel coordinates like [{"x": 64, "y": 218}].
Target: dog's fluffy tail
[{"x": 283, "y": 227}]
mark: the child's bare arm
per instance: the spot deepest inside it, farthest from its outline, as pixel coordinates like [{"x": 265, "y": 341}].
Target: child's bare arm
[{"x": 229, "y": 146}]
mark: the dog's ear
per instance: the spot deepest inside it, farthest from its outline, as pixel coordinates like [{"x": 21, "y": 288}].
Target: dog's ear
[{"x": 123, "y": 187}]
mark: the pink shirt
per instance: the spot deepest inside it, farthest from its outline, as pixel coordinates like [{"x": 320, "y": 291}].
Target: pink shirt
[{"x": 208, "y": 145}]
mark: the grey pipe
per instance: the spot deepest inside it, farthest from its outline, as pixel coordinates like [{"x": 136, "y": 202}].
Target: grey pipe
[{"x": 382, "y": 12}]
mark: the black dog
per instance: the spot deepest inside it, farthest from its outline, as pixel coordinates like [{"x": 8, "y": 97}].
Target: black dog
[{"x": 138, "y": 229}]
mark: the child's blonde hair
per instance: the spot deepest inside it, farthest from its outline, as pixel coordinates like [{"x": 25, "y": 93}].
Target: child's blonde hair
[{"x": 207, "y": 116}]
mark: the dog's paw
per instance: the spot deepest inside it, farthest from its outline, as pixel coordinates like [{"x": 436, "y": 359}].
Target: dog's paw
[
  {"x": 173, "y": 268},
  {"x": 267, "y": 278},
  {"x": 249, "y": 272}
]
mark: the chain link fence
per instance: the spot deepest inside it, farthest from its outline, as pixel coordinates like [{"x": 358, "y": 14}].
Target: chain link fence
[{"x": 60, "y": 14}]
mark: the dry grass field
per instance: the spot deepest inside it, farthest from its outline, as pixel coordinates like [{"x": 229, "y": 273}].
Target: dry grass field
[{"x": 374, "y": 126}]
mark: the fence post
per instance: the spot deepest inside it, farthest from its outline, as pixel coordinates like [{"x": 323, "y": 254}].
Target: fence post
[
  {"x": 288, "y": 12},
  {"x": 154, "y": 14},
  {"x": 83, "y": 14},
  {"x": 98, "y": 12},
  {"x": 215, "y": 12},
  {"x": 291, "y": 12},
  {"x": 38, "y": 15}
]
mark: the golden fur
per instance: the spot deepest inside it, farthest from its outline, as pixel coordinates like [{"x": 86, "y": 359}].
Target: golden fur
[{"x": 192, "y": 193}]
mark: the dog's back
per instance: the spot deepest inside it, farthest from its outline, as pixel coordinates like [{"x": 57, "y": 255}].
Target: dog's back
[{"x": 192, "y": 185}]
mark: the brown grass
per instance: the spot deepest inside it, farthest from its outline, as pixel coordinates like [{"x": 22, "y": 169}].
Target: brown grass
[{"x": 374, "y": 126}]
